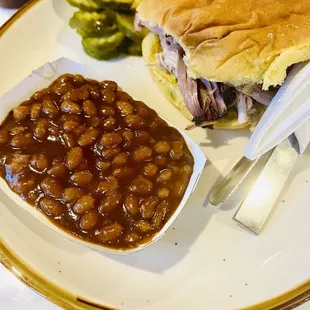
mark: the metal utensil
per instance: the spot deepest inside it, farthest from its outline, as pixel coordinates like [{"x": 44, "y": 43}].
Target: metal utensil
[
  {"x": 221, "y": 192},
  {"x": 256, "y": 208}
]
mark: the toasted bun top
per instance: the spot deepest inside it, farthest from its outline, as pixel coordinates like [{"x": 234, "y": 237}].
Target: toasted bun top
[{"x": 236, "y": 41}]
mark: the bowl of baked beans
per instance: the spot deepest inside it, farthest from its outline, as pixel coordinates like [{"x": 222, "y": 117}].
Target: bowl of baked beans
[{"x": 95, "y": 164}]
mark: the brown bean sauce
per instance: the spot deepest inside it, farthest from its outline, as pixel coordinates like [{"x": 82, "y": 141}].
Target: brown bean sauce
[{"x": 99, "y": 164}]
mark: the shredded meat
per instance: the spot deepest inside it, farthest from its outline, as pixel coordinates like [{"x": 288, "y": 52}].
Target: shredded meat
[{"x": 256, "y": 92}]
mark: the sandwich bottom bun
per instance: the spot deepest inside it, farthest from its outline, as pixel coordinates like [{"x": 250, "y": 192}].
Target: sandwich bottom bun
[{"x": 168, "y": 84}]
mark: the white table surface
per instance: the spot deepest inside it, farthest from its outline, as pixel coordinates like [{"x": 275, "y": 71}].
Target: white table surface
[{"x": 14, "y": 295}]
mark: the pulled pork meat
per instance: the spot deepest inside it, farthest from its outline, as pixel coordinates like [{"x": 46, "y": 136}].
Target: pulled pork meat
[{"x": 207, "y": 101}]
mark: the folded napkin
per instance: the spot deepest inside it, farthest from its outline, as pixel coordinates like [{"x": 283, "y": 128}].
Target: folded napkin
[{"x": 288, "y": 112}]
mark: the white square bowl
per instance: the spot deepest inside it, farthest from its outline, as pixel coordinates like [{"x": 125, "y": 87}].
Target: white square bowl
[{"x": 42, "y": 78}]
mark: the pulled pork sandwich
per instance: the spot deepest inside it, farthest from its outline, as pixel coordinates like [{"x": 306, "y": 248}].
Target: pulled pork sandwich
[{"x": 220, "y": 62}]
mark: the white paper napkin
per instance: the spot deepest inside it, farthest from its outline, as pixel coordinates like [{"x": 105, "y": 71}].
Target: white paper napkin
[{"x": 289, "y": 112}]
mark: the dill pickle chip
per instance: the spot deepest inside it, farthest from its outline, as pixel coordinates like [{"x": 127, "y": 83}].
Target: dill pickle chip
[
  {"x": 85, "y": 5},
  {"x": 135, "y": 49},
  {"x": 115, "y": 4},
  {"x": 125, "y": 24}
]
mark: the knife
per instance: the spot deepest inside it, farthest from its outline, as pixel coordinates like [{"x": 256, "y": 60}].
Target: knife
[
  {"x": 257, "y": 206},
  {"x": 223, "y": 190}
]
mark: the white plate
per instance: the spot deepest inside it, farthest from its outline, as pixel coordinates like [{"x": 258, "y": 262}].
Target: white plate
[{"x": 205, "y": 262}]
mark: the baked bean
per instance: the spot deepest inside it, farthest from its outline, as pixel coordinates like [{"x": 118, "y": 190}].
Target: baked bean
[
  {"x": 120, "y": 159},
  {"x": 110, "y": 232},
  {"x": 142, "y": 112},
  {"x": 49, "y": 108},
  {"x": 62, "y": 88},
  {"x": 143, "y": 153},
  {"x": 124, "y": 107},
  {"x": 89, "y": 108},
  {"x": 128, "y": 136},
  {"x": 68, "y": 140},
  {"x": 76, "y": 95},
  {"x": 121, "y": 95},
  {"x": 134, "y": 121},
  {"x": 102, "y": 165},
  {"x": 71, "y": 117},
  {"x": 106, "y": 110},
  {"x": 77, "y": 78},
  {"x": 110, "y": 183},
  {"x": 109, "y": 124},
  {"x": 53, "y": 133},
  {"x": 177, "y": 150},
  {"x": 162, "y": 147},
  {"x": 38, "y": 163},
  {"x": 72, "y": 194},
  {"x": 22, "y": 141},
  {"x": 58, "y": 171},
  {"x": 85, "y": 203},
  {"x": 74, "y": 157},
  {"x": 40, "y": 95},
  {"x": 142, "y": 137},
  {"x": 163, "y": 193},
  {"x": 88, "y": 137},
  {"x": 70, "y": 107},
  {"x": 21, "y": 158},
  {"x": 35, "y": 111},
  {"x": 150, "y": 170},
  {"x": 160, "y": 213},
  {"x": 89, "y": 220},
  {"x": 131, "y": 203},
  {"x": 131, "y": 237},
  {"x": 123, "y": 172},
  {"x": 164, "y": 176},
  {"x": 111, "y": 139},
  {"x": 41, "y": 129},
  {"x": 160, "y": 161},
  {"x": 51, "y": 207},
  {"x": 182, "y": 182},
  {"x": 19, "y": 162},
  {"x": 17, "y": 130},
  {"x": 111, "y": 200},
  {"x": 109, "y": 84},
  {"x": 93, "y": 122},
  {"x": 73, "y": 127},
  {"x": 108, "y": 96},
  {"x": 157, "y": 123},
  {"x": 143, "y": 226},
  {"x": 110, "y": 152},
  {"x": 51, "y": 187},
  {"x": 20, "y": 113},
  {"x": 94, "y": 91},
  {"x": 83, "y": 165},
  {"x": 81, "y": 177},
  {"x": 148, "y": 207},
  {"x": 4, "y": 136},
  {"x": 141, "y": 186},
  {"x": 65, "y": 78}
]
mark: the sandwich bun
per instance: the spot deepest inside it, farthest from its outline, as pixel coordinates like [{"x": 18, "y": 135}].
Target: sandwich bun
[{"x": 236, "y": 42}]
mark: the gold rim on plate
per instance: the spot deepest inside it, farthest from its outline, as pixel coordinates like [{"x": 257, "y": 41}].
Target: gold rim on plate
[{"x": 59, "y": 296}]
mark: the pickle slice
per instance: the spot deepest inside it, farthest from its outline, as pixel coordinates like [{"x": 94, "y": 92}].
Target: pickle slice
[
  {"x": 93, "y": 24},
  {"x": 115, "y": 4},
  {"x": 85, "y": 5},
  {"x": 125, "y": 24},
  {"x": 105, "y": 47},
  {"x": 135, "y": 49}
]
